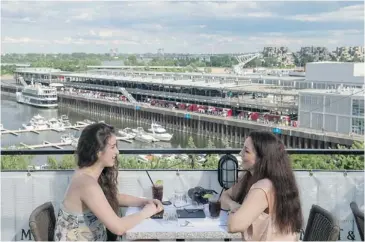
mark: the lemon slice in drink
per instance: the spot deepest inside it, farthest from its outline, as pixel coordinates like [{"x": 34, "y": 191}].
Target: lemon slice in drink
[
  {"x": 159, "y": 183},
  {"x": 208, "y": 196}
]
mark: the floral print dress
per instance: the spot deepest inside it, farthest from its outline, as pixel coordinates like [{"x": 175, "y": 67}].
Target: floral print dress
[{"x": 77, "y": 227}]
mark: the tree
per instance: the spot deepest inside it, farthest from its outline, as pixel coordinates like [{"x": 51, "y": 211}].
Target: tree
[
  {"x": 52, "y": 162},
  {"x": 210, "y": 144},
  {"x": 132, "y": 59},
  {"x": 225, "y": 142},
  {"x": 330, "y": 162},
  {"x": 189, "y": 68},
  {"x": 67, "y": 162},
  {"x": 15, "y": 162},
  {"x": 350, "y": 162},
  {"x": 208, "y": 70},
  {"x": 191, "y": 145}
]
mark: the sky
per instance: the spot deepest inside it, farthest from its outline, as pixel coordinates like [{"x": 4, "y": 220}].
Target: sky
[{"x": 178, "y": 26}]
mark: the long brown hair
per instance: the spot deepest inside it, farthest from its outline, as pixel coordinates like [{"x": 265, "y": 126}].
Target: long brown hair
[
  {"x": 273, "y": 163},
  {"x": 94, "y": 138}
]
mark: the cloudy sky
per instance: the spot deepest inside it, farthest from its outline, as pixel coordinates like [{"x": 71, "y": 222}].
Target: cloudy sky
[{"x": 194, "y": 27}]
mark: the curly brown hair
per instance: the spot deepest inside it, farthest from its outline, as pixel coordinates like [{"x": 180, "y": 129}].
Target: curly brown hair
[
  {"x": 273, "y": 163},
  {"x": 94, "y": 138}
]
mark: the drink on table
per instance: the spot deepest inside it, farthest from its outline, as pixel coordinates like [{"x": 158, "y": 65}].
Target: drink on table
[
  {"x": 157, "y": 190},
  {"x": 214, "y": 207}
]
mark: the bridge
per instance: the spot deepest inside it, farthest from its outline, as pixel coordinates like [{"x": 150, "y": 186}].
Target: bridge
[{"x": 243, "y": 60}]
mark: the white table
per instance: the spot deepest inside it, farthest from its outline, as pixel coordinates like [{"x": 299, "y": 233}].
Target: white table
[{"x": 198, "y": 229}]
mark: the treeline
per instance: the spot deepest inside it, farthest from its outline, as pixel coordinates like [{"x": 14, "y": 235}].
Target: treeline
[
  {"x": 79, "y": 61},
  {"x": 64, "y": 62},
  {"x": 213, "y": 61},
  {"x": 325, "y": 162}
]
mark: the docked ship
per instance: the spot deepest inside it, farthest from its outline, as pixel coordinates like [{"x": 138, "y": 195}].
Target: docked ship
[{"x": 38, "y": 96}]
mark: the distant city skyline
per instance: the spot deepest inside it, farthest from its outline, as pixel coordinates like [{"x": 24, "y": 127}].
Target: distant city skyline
[{"x": 178, "y": 27}]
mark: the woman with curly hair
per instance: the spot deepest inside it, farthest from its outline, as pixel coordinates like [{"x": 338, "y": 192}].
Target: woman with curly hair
[
  {"x": 264, "y": 204},
  {"x": 91, "y": 203}
]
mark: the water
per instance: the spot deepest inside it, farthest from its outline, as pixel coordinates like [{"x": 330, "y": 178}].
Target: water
[{"x": 13, "y": 115}]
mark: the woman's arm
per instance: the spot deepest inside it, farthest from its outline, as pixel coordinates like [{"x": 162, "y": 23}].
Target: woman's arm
[
  {"x": 254, "y": 204},
  {"x": 125, "y": 200},
  {"x": 227, "y": 201},
  {"x": 93, "y": 197}
]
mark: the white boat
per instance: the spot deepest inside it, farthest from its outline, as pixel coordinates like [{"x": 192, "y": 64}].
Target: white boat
[
  {"x": 88, "y": 121},
  {"x": 158, "y": 132},
  {"x": 75, "y": 142},
  {"x": 127, "y": 133},
  {"x": 67, "y": 139},
  {"x": 28, "y": 126},
  {"x": 63, "y": 118},
  {"x": 67, "y": 123},
  {"x": 39, "y": 122},
  {"x": 142, "y": 136},
  {"x": 56, "y": 124},
  {"x": 157, "y": 128},
  {"x": 38, "y": 96}
]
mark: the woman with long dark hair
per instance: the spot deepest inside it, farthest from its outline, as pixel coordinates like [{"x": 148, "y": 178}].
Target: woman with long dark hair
[
  {"x": 265, "y": 203},
  {"x": 91, "y": 203}
]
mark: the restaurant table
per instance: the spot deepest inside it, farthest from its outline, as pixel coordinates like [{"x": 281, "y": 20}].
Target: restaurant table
[{"x": 197, "y": 229}]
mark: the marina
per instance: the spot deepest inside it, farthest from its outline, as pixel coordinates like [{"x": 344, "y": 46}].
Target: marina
[
  {"x": 210, "y": 106},
  {"x": 47, "y": 128}
]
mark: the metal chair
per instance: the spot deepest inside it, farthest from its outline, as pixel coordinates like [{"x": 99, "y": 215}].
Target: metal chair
[
  {"x": 321, "y": 226},
  {"x": 359, "y": 219},
  {"x": 42, "y": 222}
]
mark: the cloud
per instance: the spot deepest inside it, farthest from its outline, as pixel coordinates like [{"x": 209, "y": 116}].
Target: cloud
[
  {"x": 349, "y": 13},
  {"x": 22, "y": 40},
  {"x": 196, "y": 27}
]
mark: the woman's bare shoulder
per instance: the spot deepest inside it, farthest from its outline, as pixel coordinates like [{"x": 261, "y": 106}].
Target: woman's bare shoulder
[{"x": 81, "y": 181}]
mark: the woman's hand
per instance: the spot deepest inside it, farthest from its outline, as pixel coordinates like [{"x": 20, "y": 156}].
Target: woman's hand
[
  {"x": 154, "y": 201},
  {"x": 234, "y": 206},
  {"x": 157, "y": 203},
  {"x": 149, "y": 209}
]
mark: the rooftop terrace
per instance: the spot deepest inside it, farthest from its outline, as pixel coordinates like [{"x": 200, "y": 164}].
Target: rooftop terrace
[{"x": 26, "y": 189}]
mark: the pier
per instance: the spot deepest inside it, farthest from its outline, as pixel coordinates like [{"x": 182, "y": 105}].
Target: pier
[
  {"x": 37, "y": 131},
  {"x": 46, "y": 144},
  {"x": 59, "y": 145},
  {"x": 231, "y": 129},
  {"x": 234, "y": 130}
]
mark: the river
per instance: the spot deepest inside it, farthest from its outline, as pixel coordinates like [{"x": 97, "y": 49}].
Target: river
[{"x": 13, "y": 115}]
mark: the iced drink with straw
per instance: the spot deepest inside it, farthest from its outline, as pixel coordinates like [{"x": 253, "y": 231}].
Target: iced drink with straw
[
  {"x": 157, "y": 190},
  {"x": 214, "y": 205}
]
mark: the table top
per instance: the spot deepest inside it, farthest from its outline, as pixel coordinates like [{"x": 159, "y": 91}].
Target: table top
[{"x": 197, "y": 228}]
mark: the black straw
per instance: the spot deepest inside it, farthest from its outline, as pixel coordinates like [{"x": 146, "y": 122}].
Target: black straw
[
  {"x": 150, "y": 178},
  {"x": 219, "y": 198}
]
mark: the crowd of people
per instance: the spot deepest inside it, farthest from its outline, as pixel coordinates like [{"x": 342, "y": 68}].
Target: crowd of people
[{"x": 259, "y": 117}]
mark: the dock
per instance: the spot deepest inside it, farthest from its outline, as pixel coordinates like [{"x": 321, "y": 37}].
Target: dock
[
  {"x": 59, "y": 145},
  {"x": 47, "y": 144},
  {"x": 37, "y": 131},
  {"x": 124, "y": 139}
]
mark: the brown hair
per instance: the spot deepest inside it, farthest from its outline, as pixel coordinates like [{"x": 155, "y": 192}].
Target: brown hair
[
  {"x": 273, "y": 163},
  {"x": 94, "y": 138}
]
